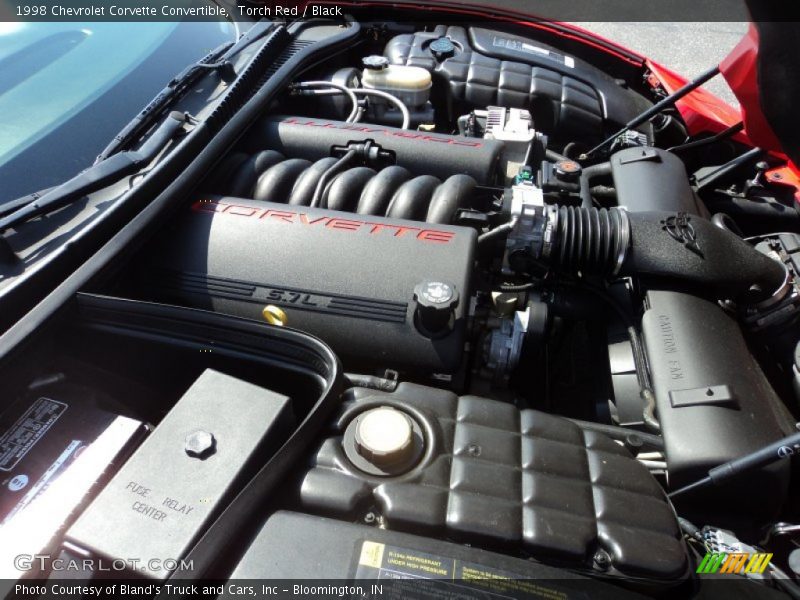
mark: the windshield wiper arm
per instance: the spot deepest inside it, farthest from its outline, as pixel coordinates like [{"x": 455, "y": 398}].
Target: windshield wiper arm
[
  {"x": 111, "y": 165},
  {"x": 149, "y": 113},
  {"x": 99, "y": 175},
  {"x": 216, "y": 59}
]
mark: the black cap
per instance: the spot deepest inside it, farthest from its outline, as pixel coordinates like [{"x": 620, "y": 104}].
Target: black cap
[
  {"x": 436, "y": 302},
  {"x": 568, "y": 170},
  {"x": 442, "y": 48}
]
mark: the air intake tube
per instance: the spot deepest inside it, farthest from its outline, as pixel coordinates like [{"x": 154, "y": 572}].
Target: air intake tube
[{"x": 657, "y": 246}]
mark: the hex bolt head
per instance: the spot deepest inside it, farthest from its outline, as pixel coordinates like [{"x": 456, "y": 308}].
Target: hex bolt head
[
  {"x": 602, "y": 560},
  {"x": 200, "y": 444}
]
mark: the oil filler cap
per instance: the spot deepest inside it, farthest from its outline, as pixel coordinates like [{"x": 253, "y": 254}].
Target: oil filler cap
[{"x": 436, "y": 304}]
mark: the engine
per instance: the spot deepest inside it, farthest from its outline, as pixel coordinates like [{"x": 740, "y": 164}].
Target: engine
[{"x": 550, "y": 350}]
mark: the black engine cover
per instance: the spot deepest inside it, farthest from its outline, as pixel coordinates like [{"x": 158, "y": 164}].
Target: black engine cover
[
  {"x": 493, "y": 476},
  {"x": 349, "y": 279},
  {"x": 567, "y": 97}
]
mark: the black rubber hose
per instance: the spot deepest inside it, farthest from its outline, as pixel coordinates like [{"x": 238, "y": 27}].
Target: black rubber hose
[
  {"x": 727, "y": 223},
  {"x": 306, "y": 184},
  {"x": 587, "y": 175},
  {"x": 722, "y": 135},
  {"x": 690, "y": 529},
  {"x": 276, "y": 183},
  {"x": 604, "y": 191},
  {"x": 662, "y": 246},
  {"x": 591, "y": 240},
  {"x": 332, "y": 171},
  {"x": 449, "y": 197},
  {"x": 378, "y": 193},
  {"x": 343, "y": 191},
  {"x": 554, "y": 156},
  {"x": 495, "y": 233},
  {"x": 246, "y": 176},
  {"x": 767, "y": 209},
  {"x": 410, "y": 201}
]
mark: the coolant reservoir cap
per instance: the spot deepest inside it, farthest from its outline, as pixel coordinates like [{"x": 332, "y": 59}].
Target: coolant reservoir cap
[
  {"x": 384, "y": 436},
  {"x": 442, "y": 48}
]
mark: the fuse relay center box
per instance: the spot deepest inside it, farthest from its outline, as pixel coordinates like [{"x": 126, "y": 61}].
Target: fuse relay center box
[{"x": 158, "y": 504}]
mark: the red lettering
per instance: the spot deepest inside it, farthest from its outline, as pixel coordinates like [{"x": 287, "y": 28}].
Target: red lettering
[
  {"x": 281, "y": 215},
  {"x": 344, "y": 224},
  {"x": 288, "y": 216},
  {"x": 431, "y": 235},
  {"x": 241, "y": 211},
  {"x": 377, "y": 228},
  {"x": 305, "y": 221},
  {"x": 401, "y": 230},
  {"x": 396, "y": 133}
]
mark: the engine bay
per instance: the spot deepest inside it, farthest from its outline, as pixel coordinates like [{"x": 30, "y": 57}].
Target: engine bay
[{"x": 556, "y": 340}]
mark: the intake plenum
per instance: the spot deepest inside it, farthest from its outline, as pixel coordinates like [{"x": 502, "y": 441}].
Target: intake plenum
[
  {"x": 421, "y": 152},
  {"x": 659, "y": 246},
  {"x": 390, "y": 192}
]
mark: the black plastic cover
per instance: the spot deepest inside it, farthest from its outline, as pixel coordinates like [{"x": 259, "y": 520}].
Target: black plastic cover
[
  {"x": 713, "y": 401},
  {"x": 421, "y": 152},
  {"x": 648, "y": 178},
  {"x": 168, "y": 347},
  {"x": 667, "y": 247},
  {"x": 348, "y": 279},
  {"x": 166, "y": 493},
  {"x": 567, "y": 97},
  {"x": 493, "y": 475},
  {"x": 293, "y": 545}
]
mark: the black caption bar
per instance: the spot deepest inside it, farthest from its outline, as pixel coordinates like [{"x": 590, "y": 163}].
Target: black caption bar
[{"x": 205, "y": 10}]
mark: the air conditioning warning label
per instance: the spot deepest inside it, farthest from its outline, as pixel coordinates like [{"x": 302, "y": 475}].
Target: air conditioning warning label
[
  {"x": 526, "y": 48},
  {"x": 451, "y": 578},
  {"x": 29, "y": 429}
]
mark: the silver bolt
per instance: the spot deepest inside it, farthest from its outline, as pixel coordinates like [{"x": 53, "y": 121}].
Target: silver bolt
[{"x": 200, "y": 444}]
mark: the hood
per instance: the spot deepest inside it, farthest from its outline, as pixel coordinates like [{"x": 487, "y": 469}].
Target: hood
[{"x": 762, "y": 72}]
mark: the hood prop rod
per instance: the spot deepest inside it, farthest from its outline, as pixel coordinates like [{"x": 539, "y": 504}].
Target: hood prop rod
[{"x": 659, "y": 106}]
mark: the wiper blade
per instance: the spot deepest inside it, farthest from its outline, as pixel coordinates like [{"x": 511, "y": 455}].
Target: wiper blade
[
  {"x": 111, "y": 164},
  {"x": 12, "y": 205},
  {"x": 216, "y": 59},
  {"x": 154, "y": 108},
  {"x": 97, "y": 176}
]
